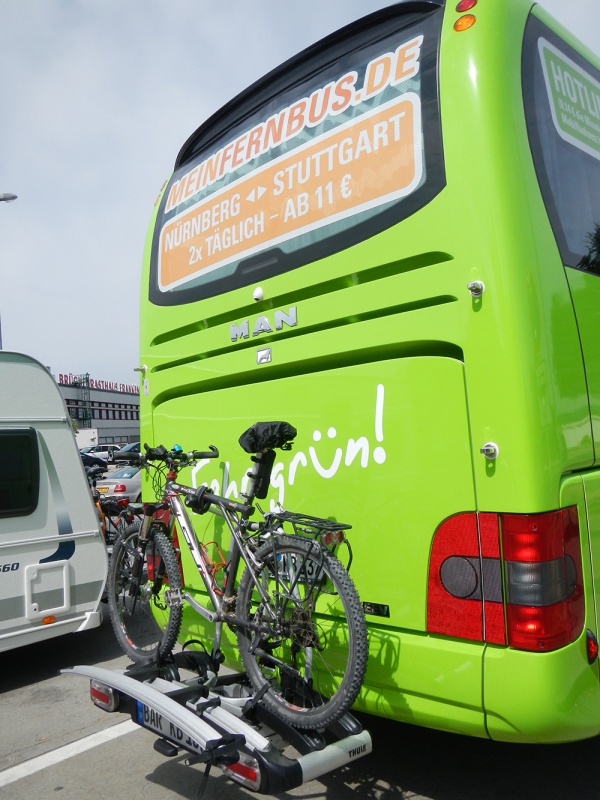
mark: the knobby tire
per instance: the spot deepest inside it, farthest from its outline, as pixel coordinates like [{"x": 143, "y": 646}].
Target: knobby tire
[
  {"x": 311, "y": 649},
  {"x": 145, "y": 626}
]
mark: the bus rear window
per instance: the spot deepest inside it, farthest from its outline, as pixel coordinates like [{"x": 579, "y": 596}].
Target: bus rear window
[
  {"x": 562, "y": 107},
  {"x": 333, "y": 147}
]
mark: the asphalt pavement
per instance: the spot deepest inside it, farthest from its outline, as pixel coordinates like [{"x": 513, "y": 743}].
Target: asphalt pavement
[{"x": 47, "y": 721}]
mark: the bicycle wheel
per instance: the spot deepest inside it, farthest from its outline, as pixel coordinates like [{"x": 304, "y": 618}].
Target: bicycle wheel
[
  {"x": 308, "y": 642},
  {"x": 146, "y": 624},
  {"x": 124, "y": 528},
  {"x": 117, "y": 529}
]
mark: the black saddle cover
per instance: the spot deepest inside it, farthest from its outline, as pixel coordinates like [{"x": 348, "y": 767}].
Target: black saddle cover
[{"x": 267, "y": 435}]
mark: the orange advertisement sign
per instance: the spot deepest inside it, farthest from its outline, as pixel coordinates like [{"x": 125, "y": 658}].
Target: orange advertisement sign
[{"x": 368, "y": 161}]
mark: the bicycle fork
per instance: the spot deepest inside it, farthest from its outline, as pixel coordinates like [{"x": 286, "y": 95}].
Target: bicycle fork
[{"x": 140, "y": 552}]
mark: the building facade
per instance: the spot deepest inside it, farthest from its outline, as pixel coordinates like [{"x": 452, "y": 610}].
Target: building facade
[{"x": 112, "y": 409}]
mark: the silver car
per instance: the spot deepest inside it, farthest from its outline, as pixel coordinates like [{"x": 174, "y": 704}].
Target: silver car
[
  {"x": 123, "y": 482},
  {"x": 104, "y": 451}
]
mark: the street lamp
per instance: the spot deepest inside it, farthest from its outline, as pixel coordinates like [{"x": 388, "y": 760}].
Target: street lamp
[{"x": 5, "y": 197}]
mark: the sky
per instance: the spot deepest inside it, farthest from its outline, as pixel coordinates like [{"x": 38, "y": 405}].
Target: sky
[{"x": 96, "y": 100}]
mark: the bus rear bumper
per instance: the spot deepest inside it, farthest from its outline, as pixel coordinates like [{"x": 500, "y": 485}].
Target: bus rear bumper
[
  {"x": 541, "y": 698},
  {"x": 486, "y": 691}
]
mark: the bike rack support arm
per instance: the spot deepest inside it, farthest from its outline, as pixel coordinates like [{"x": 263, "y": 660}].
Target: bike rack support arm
[{"x": 218, "y": 732}]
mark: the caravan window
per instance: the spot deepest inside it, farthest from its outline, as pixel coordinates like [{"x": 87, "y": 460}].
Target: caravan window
[{"x": 19, "y": 472}]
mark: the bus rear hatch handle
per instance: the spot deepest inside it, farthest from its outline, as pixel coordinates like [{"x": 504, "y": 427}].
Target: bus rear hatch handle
[
  {"x": 490, "y": 450},
  {"x": 476, "y": 288}
]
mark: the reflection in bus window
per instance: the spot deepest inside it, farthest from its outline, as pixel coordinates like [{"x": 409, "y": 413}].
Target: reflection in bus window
[{"x": 591, "y": 261}]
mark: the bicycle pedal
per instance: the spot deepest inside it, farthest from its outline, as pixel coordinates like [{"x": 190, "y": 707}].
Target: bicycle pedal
[{"x": 173, "y": 597}]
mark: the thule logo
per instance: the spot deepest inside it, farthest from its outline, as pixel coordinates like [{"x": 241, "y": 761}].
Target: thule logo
[
  {"x": 357, "y": 751},
  {"x": 262, "y": 324}
]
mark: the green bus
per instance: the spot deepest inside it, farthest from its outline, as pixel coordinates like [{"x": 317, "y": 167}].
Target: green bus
[{"x": 392, "y": 241}]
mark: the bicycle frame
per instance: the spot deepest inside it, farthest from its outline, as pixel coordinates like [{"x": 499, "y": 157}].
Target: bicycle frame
[
  {"x": 297, "y": 617},
  {"x": 236, "y": 516}
]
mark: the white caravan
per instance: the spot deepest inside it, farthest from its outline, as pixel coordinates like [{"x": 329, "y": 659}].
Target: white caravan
[{"x": 53, "y": 559}]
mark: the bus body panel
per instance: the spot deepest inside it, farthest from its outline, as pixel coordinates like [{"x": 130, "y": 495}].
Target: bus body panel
[
  {"x": 585, "y": 290},
  {"x": 396, "y": 375},
  {"x": 554, "y": 697},
  {"x": 538, "y": 406},
  {"x": 591, "y": 488},
  {"x": 354, "y": 426}
]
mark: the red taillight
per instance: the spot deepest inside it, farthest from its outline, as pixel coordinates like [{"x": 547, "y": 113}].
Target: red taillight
[
  {"x": 120, "y": 488},
  {"x": 465, "y": 586},
  {"x": 246, "y": 772},
  {"x": 532, "y": 537},
  {"x": 243, "y": 771},
  {"x": 465, "y": 5},
  {"x": 531, "y": 598},
  {"x": 545, "y": 605}
]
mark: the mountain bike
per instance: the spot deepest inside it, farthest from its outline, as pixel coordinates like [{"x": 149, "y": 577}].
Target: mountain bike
[
  {"x": 116, "y": 515},
  {"x": 298, "y": 619}
]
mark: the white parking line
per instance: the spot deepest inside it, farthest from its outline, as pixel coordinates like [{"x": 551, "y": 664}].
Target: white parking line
[{"x": 19, "y": 771}]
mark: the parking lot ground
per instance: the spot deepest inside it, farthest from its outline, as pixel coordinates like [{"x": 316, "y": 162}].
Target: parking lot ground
[
  {"x": 51, "y": 745},
  {"x": 43, "y": 709}
]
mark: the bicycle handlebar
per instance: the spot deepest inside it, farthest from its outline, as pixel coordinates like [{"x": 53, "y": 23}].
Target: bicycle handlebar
[
  {"x": 160, "y": 453},
  {"x": 200, "y": 499},
  {"x": 215, "y": 499},
  {"x": 135, "y": 458}
]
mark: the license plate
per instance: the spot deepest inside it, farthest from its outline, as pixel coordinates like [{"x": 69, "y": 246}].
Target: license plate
[
  {"x": 102, "y": 489},
  {"x": 155, "y": 721}
]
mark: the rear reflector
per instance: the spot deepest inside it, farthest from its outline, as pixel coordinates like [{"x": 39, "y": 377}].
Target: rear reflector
[
  {"x": 591, "y": 646},
  {"x": 104, "y": 696}
]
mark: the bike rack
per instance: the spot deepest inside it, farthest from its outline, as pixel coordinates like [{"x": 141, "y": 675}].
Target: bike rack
[{"x": 219, "y": 722}]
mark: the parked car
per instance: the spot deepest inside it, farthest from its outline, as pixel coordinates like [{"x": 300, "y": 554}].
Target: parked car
[
  {"x": 121, "y": 455},
  {"x": 91, "y": 460},
  {"x": 104, "y": 451},
  {"x": 126, "y": 481}
]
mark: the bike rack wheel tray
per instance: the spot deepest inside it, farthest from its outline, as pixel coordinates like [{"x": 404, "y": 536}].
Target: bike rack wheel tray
[{"x": 220, "y": 729}]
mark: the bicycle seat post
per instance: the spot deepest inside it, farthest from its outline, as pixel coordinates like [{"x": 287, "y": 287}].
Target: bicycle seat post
[{"x": 254, "y": 475}]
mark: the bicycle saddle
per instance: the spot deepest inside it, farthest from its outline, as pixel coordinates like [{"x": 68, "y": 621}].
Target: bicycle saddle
[{"x": 267, "y": 435}]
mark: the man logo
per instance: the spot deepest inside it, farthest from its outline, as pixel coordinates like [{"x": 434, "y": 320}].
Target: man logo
[{"x": 262, "y": 324}]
